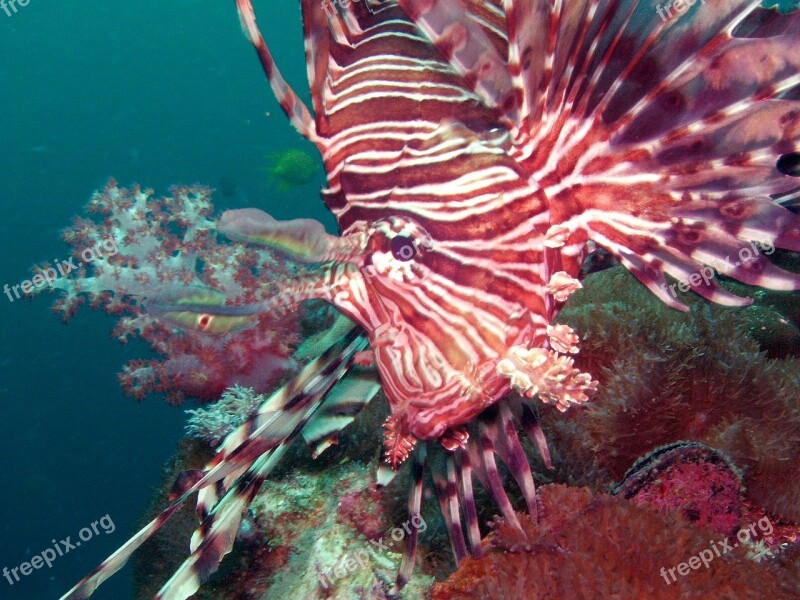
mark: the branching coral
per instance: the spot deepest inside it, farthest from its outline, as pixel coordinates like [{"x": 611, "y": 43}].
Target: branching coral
[{"x": 154, "y": 246}]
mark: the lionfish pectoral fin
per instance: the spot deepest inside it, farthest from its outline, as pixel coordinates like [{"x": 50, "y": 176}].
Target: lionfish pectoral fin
[
  {"x": 342, "y": 405},
  {"x": 321, "y": 411},
  {"x": 214, "y": 539},
  {"x": 230, "y": 481},
  {"x": 668, "y": 155},
  {"x": 385, "y": 474},
  {"x": 315, "y": 345},
  {"x": 414, "y": 516},
  {"x": 528, "y": 418}
]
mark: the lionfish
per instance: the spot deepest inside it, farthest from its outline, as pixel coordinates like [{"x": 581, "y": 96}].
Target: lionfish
[{"x": 473, "y": 148}]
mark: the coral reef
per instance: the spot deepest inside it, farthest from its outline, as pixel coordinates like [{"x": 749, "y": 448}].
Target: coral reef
[
  {"x": 684, "y": 402},
  {"x": 324, "y": 535},
  {"x": 321, "y": 518},
  {"x": 672, "y": 376},
  {"x": 214, "y": 422},
  {"x": 590, "y": 545},
  {"x": 142, "y": 246}
]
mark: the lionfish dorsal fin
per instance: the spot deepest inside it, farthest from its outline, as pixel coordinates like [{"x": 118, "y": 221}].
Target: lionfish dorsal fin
[
  {"x": 530, "y": 54},
  {"x": 468, "y": 34}
]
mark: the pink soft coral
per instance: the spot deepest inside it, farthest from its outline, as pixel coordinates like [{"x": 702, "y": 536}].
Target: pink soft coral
[{"x": 150, "y": 245}]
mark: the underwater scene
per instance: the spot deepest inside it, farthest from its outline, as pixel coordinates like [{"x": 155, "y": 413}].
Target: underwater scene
[{"x": 400, "y": 299}]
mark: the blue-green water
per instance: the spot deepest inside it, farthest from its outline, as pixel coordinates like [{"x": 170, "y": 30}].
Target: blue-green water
[{"x": 152, "y": 92}]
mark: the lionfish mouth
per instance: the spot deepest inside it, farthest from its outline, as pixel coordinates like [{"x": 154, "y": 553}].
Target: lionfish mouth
[{"x": 512, "y": 133}]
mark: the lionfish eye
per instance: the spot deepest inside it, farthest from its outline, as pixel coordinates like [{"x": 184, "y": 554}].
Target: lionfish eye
[{"x": 403, "y": 248}]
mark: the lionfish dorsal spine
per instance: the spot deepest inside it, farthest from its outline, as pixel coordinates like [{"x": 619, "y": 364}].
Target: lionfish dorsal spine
[{"x": 290, "y": 102}]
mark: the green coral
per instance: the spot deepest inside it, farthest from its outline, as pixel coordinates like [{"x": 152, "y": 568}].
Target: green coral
[{"x": 667, "y": 376}]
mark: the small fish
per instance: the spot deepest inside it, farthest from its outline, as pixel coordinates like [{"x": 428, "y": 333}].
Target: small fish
[
  {"x": 197, "y": 308},
  {"x": 291, "y": 168}
]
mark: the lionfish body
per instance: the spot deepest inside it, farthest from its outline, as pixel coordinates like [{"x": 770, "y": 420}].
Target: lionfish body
[{"x": 473, "y": 148}]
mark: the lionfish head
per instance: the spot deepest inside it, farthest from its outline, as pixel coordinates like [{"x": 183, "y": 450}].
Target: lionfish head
[
  {"x": 436, "y": 356},
  {"x": 454, "y": 323}
]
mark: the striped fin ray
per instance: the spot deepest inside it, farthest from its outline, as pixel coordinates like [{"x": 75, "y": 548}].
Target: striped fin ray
[
  {"x": 471, "y": 36},
  {"x": 485, "y": 455},
  {"x": 414, "y": 512},
  {"x": 672, "y": 139},
  {"x": 341, "y": 406},
  {"x": 317, "y": 48},
  {"x": 452, "y": 468},
  {"x": 512, "y": 454},
  {"x": 790, "y": 200},
  {"x": 529, "y": 55},
  {"x": 246, "y": 456},
  {"x": 290, "y": 102},
  {"x": 220, "y": 507},
  {"x": 445, "y": 480},
  {"x": 467, "y": 497},
  {"x": 214, "y": 539}
]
